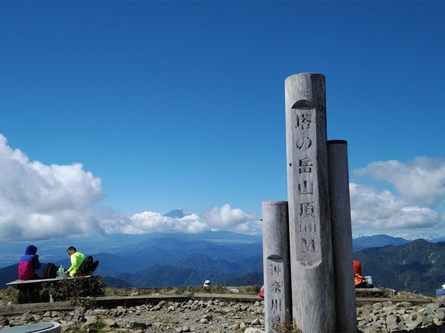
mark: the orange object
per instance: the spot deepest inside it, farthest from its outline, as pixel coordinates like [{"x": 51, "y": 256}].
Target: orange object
[
  {"x": 358, "y": 275},
  {"x": 357, "y": 268}
]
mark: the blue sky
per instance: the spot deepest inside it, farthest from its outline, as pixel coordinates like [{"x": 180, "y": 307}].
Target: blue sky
[{"x": 181, "y": 105}]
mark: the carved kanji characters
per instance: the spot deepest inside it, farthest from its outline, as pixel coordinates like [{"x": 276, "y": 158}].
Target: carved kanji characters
[{"x": 305, "y": 165}]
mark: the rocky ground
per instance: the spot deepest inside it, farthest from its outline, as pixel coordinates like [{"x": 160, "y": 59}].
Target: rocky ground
[
  {"x": 192, "y": 316},
  {"x": 401, "y": 317},
  {"x": 223, "y": 316}
]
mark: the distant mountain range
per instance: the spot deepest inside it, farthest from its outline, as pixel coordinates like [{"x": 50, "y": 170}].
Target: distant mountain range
[
  {"x": 171, "y": 260},
  {"x": 364, "y": 242},
  {"x": 53, "y": 250},
  {"x": 157, "y": 246},
  {"x": 160, "y": 260},
  {"x": 417, "y": 266}
]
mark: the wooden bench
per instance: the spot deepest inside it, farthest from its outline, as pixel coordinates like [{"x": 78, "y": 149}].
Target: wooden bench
[{"x": 27, "y": 288}]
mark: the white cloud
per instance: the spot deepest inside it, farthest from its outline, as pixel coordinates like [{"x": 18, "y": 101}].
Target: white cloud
[
  {"x": 147, "y": 221},
  {"x": 420, "y": 181},
  {"x": 217, "y": 218},
  {"x": 382, "y": 210},
  {"x": 40, "y": 201},
  {"x": 226, "y": 217}
]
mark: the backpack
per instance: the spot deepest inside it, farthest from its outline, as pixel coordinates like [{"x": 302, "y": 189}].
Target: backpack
[
  {"x": 87, "y": 267},
  {"x": 49, "y": 271}
]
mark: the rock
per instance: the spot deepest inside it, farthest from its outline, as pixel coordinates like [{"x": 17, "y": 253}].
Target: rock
[
  {"x": 372, "y": 329},
  {"x": 255, "y": 322},
  {"x": 4, "y": 321},
  {"x": 377, "y": 305},
  {"x": 137, "y": 324},
  {"x": 27, "y": 317},
  {"x": 90, "y": 320},
  {"x": 66, "y": 324},
  {"x": 404, "y": 304},
  {"x": 234, "y": 327},
  {"x": 120, "y": 311},
  {"x": 427, "y": 320},
  {"x": 440, "y": 314},
  {"x": 437, "y": 322},
  {"x": 392, "y": 322},
  {"x": 253, "y": 330},
  {"x": 208, "y": 317},
  {"x": 411, "y": 325},
  {"x": 101, "y": 312},
  {"x": 78, "y": 317},
  {"x": 109, "y": 322},
  {"x": 392, "y": 319}
]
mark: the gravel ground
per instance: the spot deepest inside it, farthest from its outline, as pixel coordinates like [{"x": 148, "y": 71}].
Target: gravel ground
[
  {"x": 217, "y": 316},
  {"x": 192, "y": 316}
]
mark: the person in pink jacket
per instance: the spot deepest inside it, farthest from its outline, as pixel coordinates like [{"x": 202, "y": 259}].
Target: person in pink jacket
[{"x": 29, "y": 263}]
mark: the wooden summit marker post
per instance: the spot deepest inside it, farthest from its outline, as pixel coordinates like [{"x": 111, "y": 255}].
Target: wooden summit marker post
[
  {"x": 312, "y": 271},
  {"x": 346, "y": 317},
  {"x": 277, "y": 292}
]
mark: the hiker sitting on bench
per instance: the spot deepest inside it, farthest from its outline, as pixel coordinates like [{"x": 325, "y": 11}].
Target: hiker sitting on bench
[
  {"x": 76, "y": 260},
  {"x": 28, "y": 264},
  {"x": 359, "y": 280},
  {"x": 80, "y": 265}
]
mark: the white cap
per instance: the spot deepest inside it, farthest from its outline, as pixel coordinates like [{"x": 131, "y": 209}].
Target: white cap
[{"x": 443, "y": 286}]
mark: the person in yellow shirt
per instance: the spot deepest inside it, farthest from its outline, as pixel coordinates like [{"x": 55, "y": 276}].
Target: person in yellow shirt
[{"x": 76, "y": 260}]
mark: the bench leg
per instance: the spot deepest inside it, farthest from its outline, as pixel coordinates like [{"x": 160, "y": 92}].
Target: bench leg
[
  {"x": 22, "y": 296},
  {"x": 28, "y": 294}
]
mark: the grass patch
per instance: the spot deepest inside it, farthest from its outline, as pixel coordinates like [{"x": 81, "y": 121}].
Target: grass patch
[
  {"x": 8, "y": 295},
  {"x": 217, "y": 289},
  {"x": 73, "y": 289}
]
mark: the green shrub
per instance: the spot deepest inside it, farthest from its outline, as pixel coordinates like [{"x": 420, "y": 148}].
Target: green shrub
[
  {"x": 8, "y": 295},
  {"x": 78, "y": 287},
  {"x": 287, "y": 328}
]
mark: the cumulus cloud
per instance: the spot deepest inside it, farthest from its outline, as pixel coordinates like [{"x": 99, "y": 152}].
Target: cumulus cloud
[
  {"x": 40, "y": 201},
  {"x": 382, "y": 210},
  {"x": 217, "y": 218},
  {"x": 147, "y": 221},
  {"x": 416, "y": 203},
  {"x": 419, "y": 181},
  {"x": 225, "y": 217}
]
